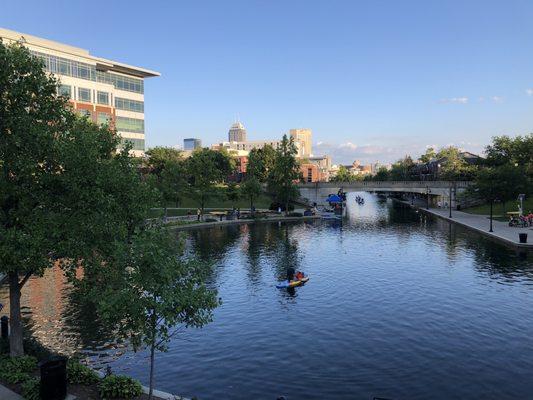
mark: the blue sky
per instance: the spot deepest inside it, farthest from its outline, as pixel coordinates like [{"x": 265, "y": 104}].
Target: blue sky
[{"x": 373, "y": 79}]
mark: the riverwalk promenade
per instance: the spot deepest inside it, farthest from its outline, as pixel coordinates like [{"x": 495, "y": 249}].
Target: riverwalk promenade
[
  {"x": 481, "y": 223},
  {"x": 197, "y": 225}
]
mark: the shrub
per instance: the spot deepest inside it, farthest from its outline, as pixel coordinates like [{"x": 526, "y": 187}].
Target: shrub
[
  {"x": 119, "y": 387},
  {"x": 13, "y": 377},
  {"x": 31, "y": 389},
  {"x": 80, "y": 374}
]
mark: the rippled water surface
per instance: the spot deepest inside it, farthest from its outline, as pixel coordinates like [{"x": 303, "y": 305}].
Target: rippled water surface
[{"x": 398, "y": 306}]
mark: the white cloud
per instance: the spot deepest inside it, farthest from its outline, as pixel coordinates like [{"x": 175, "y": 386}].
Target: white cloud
[
  {"x": 497, "y": 99},
  {"x": 458, "y": 100},
  {"x": 529, "y": 92}
]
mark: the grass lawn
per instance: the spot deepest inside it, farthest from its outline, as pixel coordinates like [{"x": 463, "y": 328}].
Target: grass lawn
[
  {"x": 188, "y": 204},
  {"x": 497, "y": 208}
]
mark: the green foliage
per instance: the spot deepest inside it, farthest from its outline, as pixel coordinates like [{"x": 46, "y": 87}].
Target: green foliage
[
  {"x": 205, "y": 169},
  {"x": 251, "y": 188},
  {"x": 343, "y": 175},
  {"x": 285, "y": 173},
  {"x": 506, "y": 150},
  {"x": 401, "y": 169},
  {"x": 261, "y": 163},
  {"x": 233, "y": 192},
  {"x": 152, "y": 292},
  {"x": 16, "y": 369},
  {"x": 453, "y": 165},
  {"x": 168, "y": 170},
  {"x": 65, "y": 193},
  {"x": 382, "y": 174},
  {"x": 119, "y": 387},
  {"x": 428, "y": 155},
  {"x": 31, "y": 389},
  {"x": 78, "y": 373},
  {"x": 296, "y": 214},
  {"x": 501, "y": 183}
]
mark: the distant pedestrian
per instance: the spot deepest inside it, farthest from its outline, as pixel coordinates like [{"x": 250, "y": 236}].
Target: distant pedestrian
[{"x": 198, "y": 213}]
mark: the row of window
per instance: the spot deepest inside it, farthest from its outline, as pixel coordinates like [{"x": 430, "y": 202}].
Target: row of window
[
  {"x": 125, "y": 124},
  {"x": 129, "y": 105},
  {"x": 76, "y": 69},
  {"x": 138, "y": 144}
]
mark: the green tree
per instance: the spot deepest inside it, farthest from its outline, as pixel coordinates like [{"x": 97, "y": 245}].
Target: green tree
[
  {"x": 65, "y": 195},
  {"x": 401, "y": 169},
  {"x": 453, "y": 165},
  {"x": 251, "y": 188},
  {"x": 167, "y": 168},
  {"x": 343, "y": 175},
  {"x": 261, "y": 162},
  {"x": 152, "y": 293},
  {"x": 516, "y": 151},
  {"x": 382, "y": 174},
  {"x": 205, "y": 170},
  {"x": 428, "y": 155},
  {"x": 233, "y": 192},
  {"x": 285, "y": 173}
]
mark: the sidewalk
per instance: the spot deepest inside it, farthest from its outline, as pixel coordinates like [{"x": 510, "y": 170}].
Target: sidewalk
[
  {"x": 501, "y": 230},
  {"x": 6, "y": 394}
]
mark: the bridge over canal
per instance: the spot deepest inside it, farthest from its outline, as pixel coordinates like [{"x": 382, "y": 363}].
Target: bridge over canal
[{"x": 318, "y": 191}]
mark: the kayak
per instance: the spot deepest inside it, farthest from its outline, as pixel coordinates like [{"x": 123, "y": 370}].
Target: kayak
[{"x": 287, "y": 284}]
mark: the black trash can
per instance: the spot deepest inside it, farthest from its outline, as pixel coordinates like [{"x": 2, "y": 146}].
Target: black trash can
[
  {"x": 523, "y": 237},
  {"x": 54, "y": 378}
]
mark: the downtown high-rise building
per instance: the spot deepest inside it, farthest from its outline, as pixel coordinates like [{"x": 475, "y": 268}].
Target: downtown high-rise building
[
  {"x": 192, "y": 144},
  {"x": 302, "y": 136},
  {"x": 106, "y": 91},
  {"x": 237, "y": 133}
]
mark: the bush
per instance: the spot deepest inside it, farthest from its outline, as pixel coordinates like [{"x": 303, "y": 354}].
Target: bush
[
  {"x": 17, "y": 369},
  {"x": 119, "y": 387},
  {"x": 80, "y": 374},
  {"x": 31, "y": 389},
  {"x": 13, "y": 377}
]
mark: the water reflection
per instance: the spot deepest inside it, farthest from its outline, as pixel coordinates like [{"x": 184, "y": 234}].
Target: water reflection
[{"x": 399, "y": 304}]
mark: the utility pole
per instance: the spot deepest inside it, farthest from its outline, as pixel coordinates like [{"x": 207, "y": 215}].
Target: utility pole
[
  {"x": 490, "y": 230},
  {"x": 450, "y": 205},
  {"x": 427, "y": 197}
]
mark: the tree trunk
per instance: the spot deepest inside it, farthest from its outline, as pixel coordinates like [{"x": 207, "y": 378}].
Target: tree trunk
[
  {"x": 152, "y": 362},
  {"x": 15, "y": 321},
  {"x": 286, "y": 208}
]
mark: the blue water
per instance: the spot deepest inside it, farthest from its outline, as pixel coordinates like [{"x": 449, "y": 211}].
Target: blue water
[{"x": 399, "y": 306}]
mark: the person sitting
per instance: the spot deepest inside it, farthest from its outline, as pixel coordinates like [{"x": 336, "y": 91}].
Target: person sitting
[{"x": 290, "y": 274}]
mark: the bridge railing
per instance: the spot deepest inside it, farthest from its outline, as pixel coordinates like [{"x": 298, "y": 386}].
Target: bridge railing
[{"x": 387, "y": 184}]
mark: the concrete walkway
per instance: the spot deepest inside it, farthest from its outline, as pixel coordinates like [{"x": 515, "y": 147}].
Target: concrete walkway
[
  {"x": 6, "y": 394},
  {"x": 501, "y": 230}
]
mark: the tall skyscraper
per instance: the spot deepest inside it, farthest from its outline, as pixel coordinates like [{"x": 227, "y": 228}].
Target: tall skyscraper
[
  {"x": 237, "y": 133},
  {"x": 304, "y": 137},
  {"x": 106, "y": 91},
  {"x": 191, "y": 144}
]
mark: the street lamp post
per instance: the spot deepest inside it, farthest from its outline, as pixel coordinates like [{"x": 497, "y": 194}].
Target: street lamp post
[
  {"x": 427, "y": 197},
  {"x": 491, "y": 201},
  {"x": 450, "y": 205}
]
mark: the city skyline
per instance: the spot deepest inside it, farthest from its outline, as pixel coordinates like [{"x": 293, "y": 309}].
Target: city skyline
[{"x": 374, "y": 81}]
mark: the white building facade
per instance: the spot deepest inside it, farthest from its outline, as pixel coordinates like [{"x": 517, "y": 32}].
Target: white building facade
[{"x": 104, "y": 90}]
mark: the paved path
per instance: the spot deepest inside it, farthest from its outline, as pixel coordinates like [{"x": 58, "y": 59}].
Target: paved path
[
  {"x": 6, "y": 394},
  {"x": 239, "y": 222},
  {"x": 481, "y": 223}
]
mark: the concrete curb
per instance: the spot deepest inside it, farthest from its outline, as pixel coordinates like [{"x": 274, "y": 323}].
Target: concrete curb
[{"x": 241, "y": 222}]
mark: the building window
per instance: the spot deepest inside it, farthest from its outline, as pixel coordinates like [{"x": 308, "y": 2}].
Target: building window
[
  {"x": 129, "y": 105},
  {"x": 138, "y": 144},
  {"x": 65, "y": 90},
  {"x": 129, "y": 124},
  {"x": 66, "y": 67},
  {"x": 102, "y": 98},
  {"x": 84, "y": 113},
  {"x": 103, "y": 118},
  {"x": 84, "y": 95}
]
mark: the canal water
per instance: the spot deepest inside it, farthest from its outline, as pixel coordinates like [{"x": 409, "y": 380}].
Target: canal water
[{"x": 399, "y": 306}]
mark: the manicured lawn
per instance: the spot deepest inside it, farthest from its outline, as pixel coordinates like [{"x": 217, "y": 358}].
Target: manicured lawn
[{"x": 484, "y": 209}]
